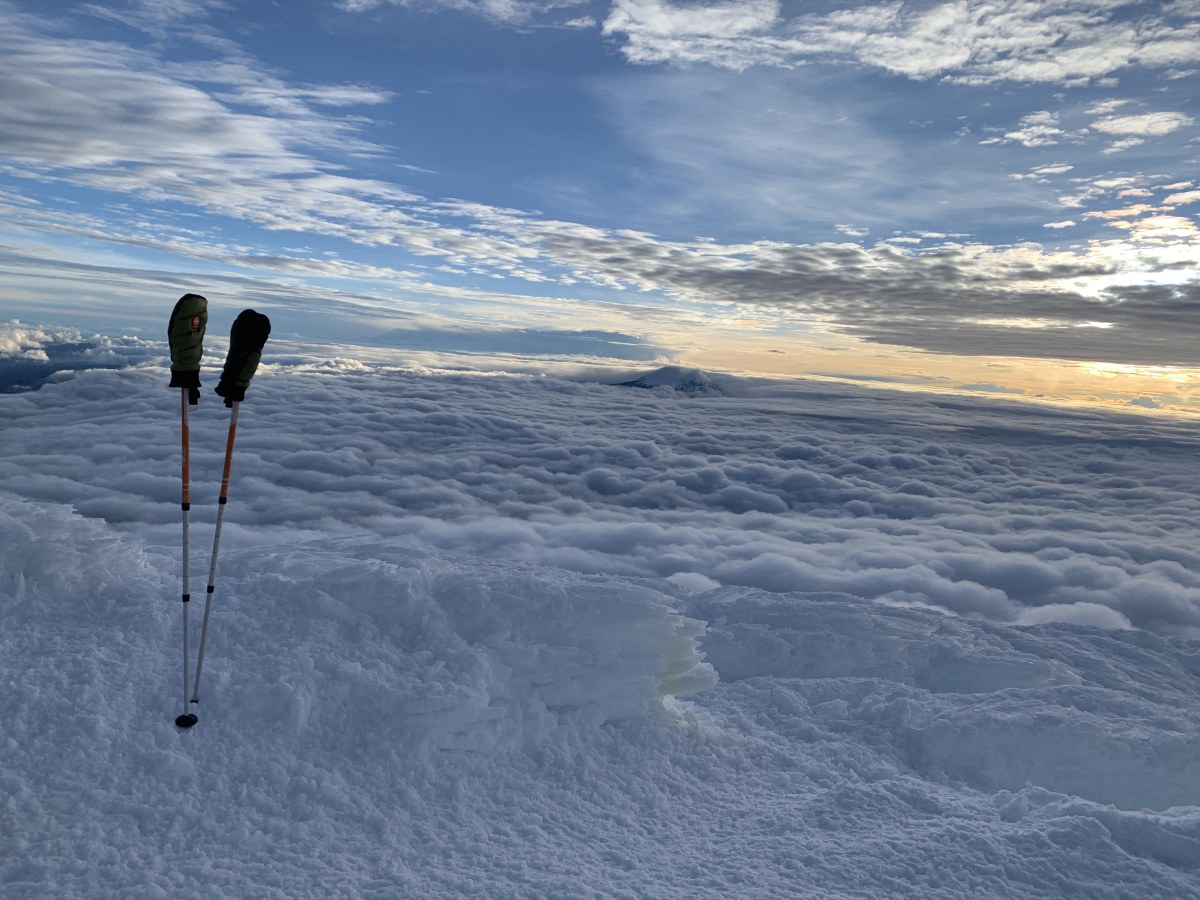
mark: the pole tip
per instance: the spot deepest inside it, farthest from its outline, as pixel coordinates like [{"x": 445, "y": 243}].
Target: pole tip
[{"x": 187, "y": 720}]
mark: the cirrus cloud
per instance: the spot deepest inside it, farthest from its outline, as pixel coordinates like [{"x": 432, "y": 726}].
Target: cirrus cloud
[{"x": 969, "y": 42}]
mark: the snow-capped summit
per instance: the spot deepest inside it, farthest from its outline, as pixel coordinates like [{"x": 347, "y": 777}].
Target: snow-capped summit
[{"x": 684, "y": 380}]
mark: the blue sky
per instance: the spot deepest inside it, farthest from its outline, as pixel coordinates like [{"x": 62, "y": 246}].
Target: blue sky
[{"x": 955, "y": 195}]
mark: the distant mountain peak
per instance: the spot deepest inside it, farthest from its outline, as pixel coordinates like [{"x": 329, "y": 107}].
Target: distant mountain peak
[{"x": 679, "y": 378}]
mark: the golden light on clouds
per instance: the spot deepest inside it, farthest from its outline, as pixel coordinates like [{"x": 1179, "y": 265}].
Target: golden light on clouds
[{"x": 1164, "y": 389}]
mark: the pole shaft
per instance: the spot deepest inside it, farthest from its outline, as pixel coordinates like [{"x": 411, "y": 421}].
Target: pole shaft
[
  {"x": 186, "y": 506},
  {"x": 212, "y": 567}
]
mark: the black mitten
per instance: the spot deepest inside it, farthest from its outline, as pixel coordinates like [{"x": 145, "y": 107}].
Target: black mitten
[
  {"x": 246, "y": 341},
  {"x": 185, "y": 334}
]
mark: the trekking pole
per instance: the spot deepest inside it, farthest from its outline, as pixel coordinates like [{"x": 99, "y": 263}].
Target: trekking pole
[
  {"x": 212, "y": 567},
  {"x": 246, "y": 341},
  {"x": 186, "y": 336},
  {"x": 185, "y": 719}
]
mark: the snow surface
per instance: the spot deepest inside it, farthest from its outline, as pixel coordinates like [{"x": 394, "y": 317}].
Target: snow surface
[{"x": 533, "y": 637}]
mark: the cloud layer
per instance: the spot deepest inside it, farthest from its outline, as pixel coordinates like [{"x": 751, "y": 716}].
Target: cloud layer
[{"x": 1008, "y": 514}]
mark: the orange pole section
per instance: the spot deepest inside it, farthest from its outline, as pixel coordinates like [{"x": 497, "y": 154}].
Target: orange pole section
[{"x": 229, "y": 453}]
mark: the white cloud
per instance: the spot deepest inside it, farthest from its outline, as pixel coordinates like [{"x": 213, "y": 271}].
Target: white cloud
[
  {"x": 1144, "y": 124},
  {"x": 1122, "y": 146},
  {"x": 1107, "y": 107},
  {"x": 158, "y": 17},
  {"x": 21, "y": 341},
  {"x": 95, "y": 114},
  {"x": 1054, "y": 169},
  {"x": 665, "y": 20},
  {"x": 1124, "y": 213},
  {"x": 970, "y": 42},
  {"x": 1038, "y": 129},
  {"x": 732, "y": 33},
  {"x": 508, "y": 12}
]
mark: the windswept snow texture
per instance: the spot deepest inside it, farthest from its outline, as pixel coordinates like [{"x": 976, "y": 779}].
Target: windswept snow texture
[{"x": 524, "y": 637}]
